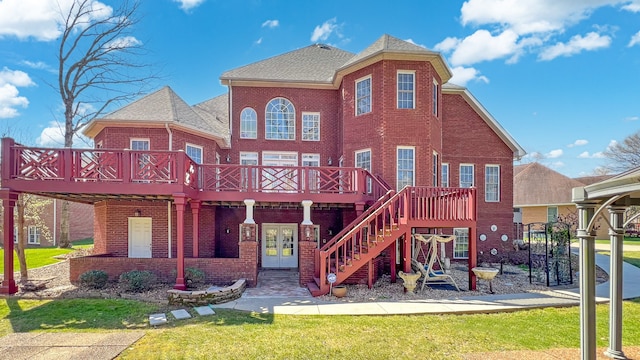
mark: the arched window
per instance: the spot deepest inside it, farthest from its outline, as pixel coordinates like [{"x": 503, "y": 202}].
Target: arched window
[
  {"x": 248, "y": 124},
  {"x": 280, "y": 120}
]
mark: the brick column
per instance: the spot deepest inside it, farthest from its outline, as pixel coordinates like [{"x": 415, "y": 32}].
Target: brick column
[
  {"x": 195, "y": 211},
  {"x": 9, "y": 202},
  {"x": 248, "y": 248}
]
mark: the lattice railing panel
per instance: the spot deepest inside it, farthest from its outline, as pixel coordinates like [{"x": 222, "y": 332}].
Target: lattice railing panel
[
  {"x": 153, "y": 167},
  {"x": 41, "y": 164}
]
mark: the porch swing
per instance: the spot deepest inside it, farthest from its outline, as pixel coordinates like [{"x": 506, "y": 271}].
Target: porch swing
[{"x": 430, "y": 272}]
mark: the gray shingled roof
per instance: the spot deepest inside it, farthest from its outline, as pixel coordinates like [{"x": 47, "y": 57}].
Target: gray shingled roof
[
  {"x": 387, "y": 43},
  {"x": 216, "y": 113},
  {"x": 315, "y": 63}
]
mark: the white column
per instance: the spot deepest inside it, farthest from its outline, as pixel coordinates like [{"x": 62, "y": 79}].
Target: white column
[
  {"x": 306, "y": 217},
  {"x": 616, "y": 234},
  {"x": 587, "y": 282},
  {"x": 249, "y": 217}
]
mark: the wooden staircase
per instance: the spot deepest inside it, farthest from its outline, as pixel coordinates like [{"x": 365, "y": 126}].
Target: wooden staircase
[{"x": 361, "y": 241}]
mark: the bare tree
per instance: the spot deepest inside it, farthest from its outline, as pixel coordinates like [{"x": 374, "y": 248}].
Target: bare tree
[
  {"x": 624, "y": 155},
  {"x": 97, "y": 67},
  {"x": 29, "y": 210}
]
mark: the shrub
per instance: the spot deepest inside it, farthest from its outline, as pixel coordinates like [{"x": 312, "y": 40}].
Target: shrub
[
  {"x": 94, "y": 279},
  {"x": 137, "y": 280},
  {"x": 193, "y": 276}
]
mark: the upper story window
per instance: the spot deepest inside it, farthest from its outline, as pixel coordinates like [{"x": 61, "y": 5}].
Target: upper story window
[
  {"x": 363, "y": 95},
  {"x": 406, "y": 86},
  {"x": 405, "y": 164},
  {"x": 492, "y": 183},
  {"x": 435, "y": 97},
  {"x": 435, "y": 169},
  {"x": 280, "y": 120},
  {"x": 445, "y": 175},
  {"x": 248, "y": 124},
  {"x": 466, "y": 175},
  {"x": 139, "y": 144},
  {"x": 363, "y": 160},
  {"x": 194, "y": 152},
  {"x": 311, "y": 126}
]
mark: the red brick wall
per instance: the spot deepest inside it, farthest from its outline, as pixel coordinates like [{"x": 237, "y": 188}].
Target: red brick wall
[
  {"x": 304, "y": 100},
  {"x": 462, "y": 125}
]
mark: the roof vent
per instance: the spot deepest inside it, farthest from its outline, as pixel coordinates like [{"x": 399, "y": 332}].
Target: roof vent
[{"x": 323, "y": 46}]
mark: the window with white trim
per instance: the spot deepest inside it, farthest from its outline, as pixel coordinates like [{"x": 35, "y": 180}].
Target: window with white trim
[
  {"x": 363, "y": 95},
  {"x": 435, "y": 97},
  {"x": 280, "y": 120},
  {"x": 466, "y": 175},
  {"x": 139, "y": 144},
  {"x": 248, "y": 124},
  {"x": 194, "y": 152},
  {"x": 312, "y": 160},
  {"x": 246, "y": 180},
  {"x": 435, "y": 168},
  {"x": 363, "y": 160},
  {"x": 406, "y": 167},
  {"x": 406, "y": 87},
  {"x": 445, "y": 175},
  {"x": 552, "y": 213},
  {"x": 310, "y": 126},
  {"x": 461, "y": 243},
  {"x": 34, "y": 235},
  {"x": 492, "y": 183}
]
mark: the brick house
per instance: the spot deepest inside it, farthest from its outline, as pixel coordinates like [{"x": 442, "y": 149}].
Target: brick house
[{"x": 317, "y": 159}]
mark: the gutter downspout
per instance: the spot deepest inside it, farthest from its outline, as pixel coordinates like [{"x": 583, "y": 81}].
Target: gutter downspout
[
  {"x": 166, "y": 126},
  {"x": 230, "y": 108},
  {"x": 55, "y": 224}
]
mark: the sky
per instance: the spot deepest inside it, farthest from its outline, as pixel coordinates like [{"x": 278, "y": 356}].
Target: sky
[{"x": 562, "y": 77}]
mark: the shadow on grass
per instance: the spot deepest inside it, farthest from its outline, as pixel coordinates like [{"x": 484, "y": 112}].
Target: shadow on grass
[{"x": 104, "y": 314}]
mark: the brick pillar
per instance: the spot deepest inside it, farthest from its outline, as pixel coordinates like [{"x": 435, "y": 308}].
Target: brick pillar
[
  {"x": 180, "y": 200},
  {"x": 306, "y": 253},
  {"x": 195, "y": 211},
  {"x": 9, "y": 202},
  {"x": 249, "y": 255}
]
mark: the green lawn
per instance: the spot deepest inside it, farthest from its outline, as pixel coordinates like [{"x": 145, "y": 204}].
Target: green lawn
[
  {"x": 240, "y": 335},
  {"x": 36, "y": 257},
  {"x": 632, "y": 257},
  {"x": 83, "y": 244},
  {"x": 627, "y": 241}
]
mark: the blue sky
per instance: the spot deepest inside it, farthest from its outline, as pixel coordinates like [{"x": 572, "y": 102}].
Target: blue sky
[{"x": 561, "y": 76}]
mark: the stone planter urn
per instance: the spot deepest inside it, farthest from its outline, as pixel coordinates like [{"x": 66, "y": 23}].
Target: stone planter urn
[
  {"x": 410, "y": 280},
  {"x": 486, "y": 274},
  {"x": 339, "y": 291}
]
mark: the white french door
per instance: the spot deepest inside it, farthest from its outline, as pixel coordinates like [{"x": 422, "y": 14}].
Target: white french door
[{"x": 279, "y": 245}]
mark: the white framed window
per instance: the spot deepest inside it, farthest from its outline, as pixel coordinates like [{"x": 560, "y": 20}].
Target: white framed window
[
  {"x": 406, "y": 89},
  {"x": 363, "y": 95},
  {"x": 436, "y": 86},
  {"x": 248, "y": 158},
  {"x": 280, "y": 120},
  {"x": 312, "y": 160},
  {"x": 552, "y": 213},
  {"x": 248, "y": 177},
  {"x": 34, "y": 235},
  {"x": 194, "y": 152},
  {"x": 445, "y": 175},
  {"x": 461, "y": 243},
  {"x": 492, "y": 183},
  {"x": 310, "y": 126},
  {"x": 435, "y": 168},
  {"x": 139, "y": 144},
  {"x": 363, "y": 160},
  {"x": 405, "y": 164},
  {"x": 99, "y": 144},
  {"x": 466, "y": 175},
  {"x": 248, "y": 124}
]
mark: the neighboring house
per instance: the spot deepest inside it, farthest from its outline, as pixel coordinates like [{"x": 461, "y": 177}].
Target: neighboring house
[
  {"x": 318, "y": 160},
  {"x": 541, "y": 194}
]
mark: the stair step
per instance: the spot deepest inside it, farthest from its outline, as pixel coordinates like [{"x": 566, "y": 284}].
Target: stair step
[{"x": 314, "y": 289}]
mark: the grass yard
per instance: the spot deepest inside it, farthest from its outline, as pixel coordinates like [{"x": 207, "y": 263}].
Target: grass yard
[
  {"x": 239, "y": 335},
  {"x": 627, "y": 241},
  {"x": 36, "y": 257},
  {"x": 632, "y": 257}
]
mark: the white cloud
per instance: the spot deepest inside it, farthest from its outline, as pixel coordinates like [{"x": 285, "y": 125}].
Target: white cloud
[
  {"x": 579, "y": 142},
  {"x": 463, "y": 75},
  {"x": 259, "y": 41},
  {"x": 322, "y": 32},
  {"x": 40, "y": 19},
  {"x": 553, "y": 154},
  {"x": 632, "y": 118},
  {"x": 447, "y": 44},
  {"x": 635, "y": 39},
  {"x": 612, "y": 144},
  {"x": 592, "y": 41},
  {"x": 10, "y": 97},
  {"x": 271, "y": 24},
  {"x": 39, "y": 65},
  {"x": 586, "y": 155},
  {"x": 634, "y": 6},
  {"x": 557, "y": 165},
  {"x": 482, "y": 46},
  {"x": 123, "y": 43},
  {"x": 530, "y": 16},
  {"x": 187, "y": 5},
  {"x": 53, "y": 136},
  {"x": 415, "y": 43}
]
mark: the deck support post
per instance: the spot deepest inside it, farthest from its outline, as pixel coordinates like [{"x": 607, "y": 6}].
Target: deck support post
[
  {"x": 616, "y": 234},
  {"x": 393, "y": 258},
  {"x": 9, "y": 202},
  {"x": 180, "y": 200},
  {"x": 586, "y": 238},
  {"x": 249, "y": 214},
  {"x": 195, "y": 212}
]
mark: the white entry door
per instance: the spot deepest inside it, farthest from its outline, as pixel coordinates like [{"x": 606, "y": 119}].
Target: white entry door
[
  {"x": 279, "y": 245},
  {"x": 139, "y": 237}
]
